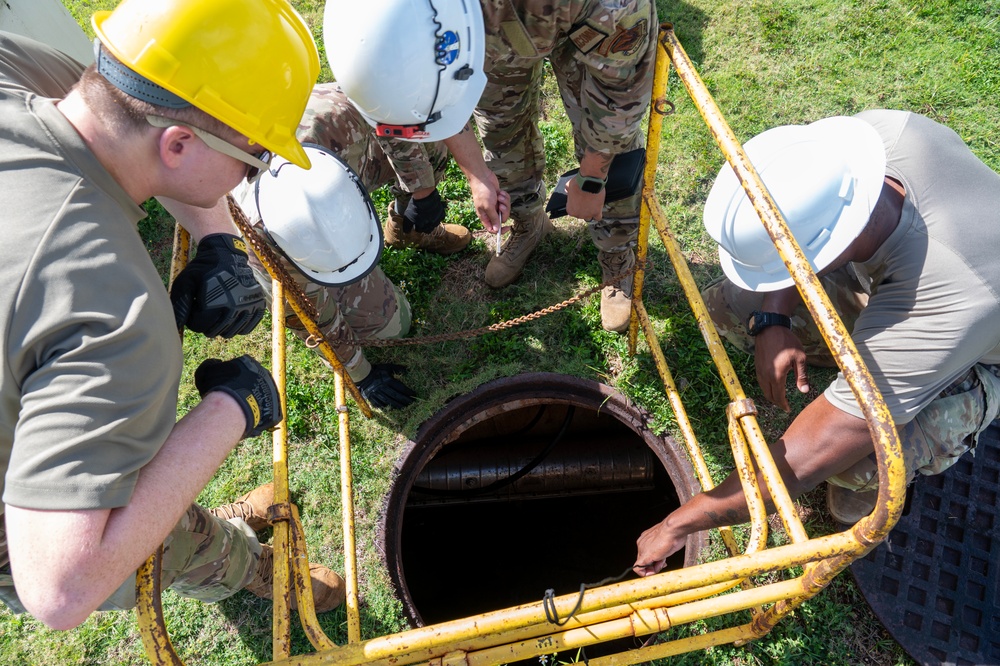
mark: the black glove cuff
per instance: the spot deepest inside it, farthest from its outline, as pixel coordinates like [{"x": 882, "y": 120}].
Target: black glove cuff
[
  {"x": 425, "y": 214},
  {"x": 228, "y": 242}
]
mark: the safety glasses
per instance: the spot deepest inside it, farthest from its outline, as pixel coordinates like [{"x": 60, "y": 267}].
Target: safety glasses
[{"x": 257, "y": 164}]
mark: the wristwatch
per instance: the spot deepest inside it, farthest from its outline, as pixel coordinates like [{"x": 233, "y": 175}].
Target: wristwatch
[
  {"x": 758, "y": 321},
  {"x": 590, "y": 184}
]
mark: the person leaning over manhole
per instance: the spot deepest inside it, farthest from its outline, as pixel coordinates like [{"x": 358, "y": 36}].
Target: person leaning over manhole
[
  {"x": 902, "y": 222},
  {"x": 97, "y": 473},
  {"x": 355, "y": 305},
  {"x": 602, "y": 54}
]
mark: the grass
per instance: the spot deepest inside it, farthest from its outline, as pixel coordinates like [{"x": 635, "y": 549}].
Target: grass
[{"x": 767, "y": 62}]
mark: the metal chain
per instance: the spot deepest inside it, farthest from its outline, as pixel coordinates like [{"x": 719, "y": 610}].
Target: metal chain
[{"x": 294, "y": 291}]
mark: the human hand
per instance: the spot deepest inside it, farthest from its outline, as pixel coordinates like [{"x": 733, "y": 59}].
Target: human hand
[
  {"x": 655, "y": 545},
  {"x": 584, "y": 205},
  {"x": 249, "y": 383},
  {"x": 217, "y": 293},
  {"x": 778, "y": 352},
  {"x": 492, "y": 204},
  {"x": 427, "y": 213},
  {"x": 381, "y": 389}
]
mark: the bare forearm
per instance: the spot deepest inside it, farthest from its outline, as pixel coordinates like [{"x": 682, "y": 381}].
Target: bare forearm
[
  {"x": 821, "y": 442},
  {"x": 465, "y": 150},
  {"x": 200, "y": 222},
  {"x": 66, "y": 563}
]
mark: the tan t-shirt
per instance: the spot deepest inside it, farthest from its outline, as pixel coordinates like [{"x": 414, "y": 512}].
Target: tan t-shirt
[
  {"x": 934, "y": 310},
  {"x": 91, "y": 354}
]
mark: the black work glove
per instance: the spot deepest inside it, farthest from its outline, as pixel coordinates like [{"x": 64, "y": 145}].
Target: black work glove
[
  {"x": 381, "y": 389},
  {"x": 250, "y": 383},
  {"x": 217, "y": 294},
  {"x": 424, "y": 214}
]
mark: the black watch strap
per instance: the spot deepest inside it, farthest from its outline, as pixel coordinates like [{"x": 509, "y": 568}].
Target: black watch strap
[{"x": 758, "y": 321}]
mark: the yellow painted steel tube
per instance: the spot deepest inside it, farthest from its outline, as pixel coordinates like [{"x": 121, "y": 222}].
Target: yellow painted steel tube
[
  {"x": 772, "y": 479},
  {"x": 674, "y": 648},
  {"x": 748, "y": 479},
  {"x": 281, "y": 626},
  {"x": 657, "y": 110},
  {"x": 347, "y": 504},
  {"x": 297, "y": 307},
  {"x": 892, "y": 474},
  {"x": 680, "y": 414},
  {"x": 436, "y": 639},
  {"x": 302, "y": 581},
  {"x": 152, "y": 628}
]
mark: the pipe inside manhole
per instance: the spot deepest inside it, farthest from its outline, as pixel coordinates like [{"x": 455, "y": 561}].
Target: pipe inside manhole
[{"x": 527, "y": 483}]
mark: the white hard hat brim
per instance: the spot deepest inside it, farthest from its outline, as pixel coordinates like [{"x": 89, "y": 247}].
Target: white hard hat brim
[{"x": 864, "y": 151}]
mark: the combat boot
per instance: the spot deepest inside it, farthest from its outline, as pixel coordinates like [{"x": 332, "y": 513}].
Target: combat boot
[
  {"x": 252, "y": 507},
  {"x": 443, "y": 239},
  {"x": 848, "y": 506},
  {"x": 525, "y": 235},
  {"x": 616, "y": 299},
  {"x": 327, "y": 586}
]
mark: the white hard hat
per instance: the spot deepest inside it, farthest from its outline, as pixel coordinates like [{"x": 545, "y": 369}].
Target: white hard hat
[
  {"x": 321, "y": 218},
  {"x": 825, "y": 178},
  {"x": 413, "y": 68}
]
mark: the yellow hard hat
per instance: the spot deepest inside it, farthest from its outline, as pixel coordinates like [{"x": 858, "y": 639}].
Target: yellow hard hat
[{"x": 248, "y": 63}]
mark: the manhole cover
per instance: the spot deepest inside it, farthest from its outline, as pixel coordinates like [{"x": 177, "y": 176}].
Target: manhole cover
[{"x": 933, "y": 582}]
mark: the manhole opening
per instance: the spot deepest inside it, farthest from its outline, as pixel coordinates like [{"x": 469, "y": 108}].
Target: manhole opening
[{"x": 544, "y": 483}]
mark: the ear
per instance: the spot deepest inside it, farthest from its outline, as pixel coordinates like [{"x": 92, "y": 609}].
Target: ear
[{"x": 177, "y": 145}]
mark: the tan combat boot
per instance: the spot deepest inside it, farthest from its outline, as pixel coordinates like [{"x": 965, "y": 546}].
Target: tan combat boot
[
  {"x": 327, "y": 586},
  {"x": 848, "y": 506},
  {"x": 444, "y": 239},
  {"x": 252, "y": 507},
  {"x": 523, "y": 239},
  {"x": 616, "y": 299}
]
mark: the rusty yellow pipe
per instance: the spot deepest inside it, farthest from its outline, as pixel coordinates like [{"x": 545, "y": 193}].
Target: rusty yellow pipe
[
  {"x": 152, "y": 628},
  {"x": 892, "y": 474},
  {"x": 748, "y": 480},
  {"x": 437, "y": 637},
  {"x": 676, "y": 647},
  {"x": 298, "y": 307},
  {"x": 281, "y": 626},
  {"x": 657, "y": 109},
  {"x": 347, "y": 509},
  {"x": 768, "y": 470},
  {"x": 680, "y": 414},
  {"x": 302, "y": 582}
]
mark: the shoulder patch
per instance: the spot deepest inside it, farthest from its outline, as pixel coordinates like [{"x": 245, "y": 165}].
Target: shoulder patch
[{"x": 626, "y": 41}]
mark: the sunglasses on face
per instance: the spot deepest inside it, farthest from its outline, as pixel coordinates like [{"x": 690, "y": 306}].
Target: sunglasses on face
[{"x": 256, "y": 164}]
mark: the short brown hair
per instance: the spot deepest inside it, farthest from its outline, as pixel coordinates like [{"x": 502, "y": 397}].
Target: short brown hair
[{"x": 126, "y": 114}]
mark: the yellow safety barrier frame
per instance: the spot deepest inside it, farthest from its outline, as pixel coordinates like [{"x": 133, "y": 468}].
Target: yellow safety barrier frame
[{"x": 631, "y": 608}]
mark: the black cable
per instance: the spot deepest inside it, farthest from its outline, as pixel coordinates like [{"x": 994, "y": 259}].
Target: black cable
[
  {"x": 506, "y": 481},
  {"x": 549, "y": 598}
]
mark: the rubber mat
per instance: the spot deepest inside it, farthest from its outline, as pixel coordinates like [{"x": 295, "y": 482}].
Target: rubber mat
[{"x": 934, "y": 581}]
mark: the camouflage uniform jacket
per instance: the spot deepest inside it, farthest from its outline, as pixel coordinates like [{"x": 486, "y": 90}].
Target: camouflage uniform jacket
[{"x": 610, "y": 38}]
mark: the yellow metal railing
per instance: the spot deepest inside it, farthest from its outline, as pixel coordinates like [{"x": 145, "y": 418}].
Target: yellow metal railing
[{"x": 637, "y": 607}]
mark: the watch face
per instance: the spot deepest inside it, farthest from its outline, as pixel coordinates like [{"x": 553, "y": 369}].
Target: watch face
[{"x": 589, "y": 184}]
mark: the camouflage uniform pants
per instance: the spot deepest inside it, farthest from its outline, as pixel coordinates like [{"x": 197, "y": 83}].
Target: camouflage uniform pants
[
  {"x": 203, "y": 558},
  {"x": 507, "y": 117},
  {"x": 331, "y": 121},
  {"x": 936, "y": 437},
  {"x": 372, "y": 307}
]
